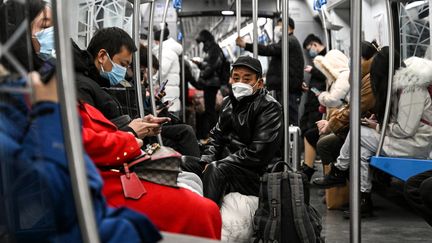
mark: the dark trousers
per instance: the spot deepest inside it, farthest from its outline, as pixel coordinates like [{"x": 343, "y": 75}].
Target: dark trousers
[
  {"x": 182, "y": 138},
  {"x": 418, "y": 192},
  {"x": 294, "y": 102},
  {"x": 206, "y": 121},
  {"x": 328, "y": 148},
  {"x": 221, "y": 178}
]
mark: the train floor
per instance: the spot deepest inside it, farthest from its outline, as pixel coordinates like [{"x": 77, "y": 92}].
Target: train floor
[{"x": 393, "y": 220}]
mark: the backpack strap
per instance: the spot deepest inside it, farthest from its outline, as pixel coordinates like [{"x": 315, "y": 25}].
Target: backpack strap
[
  {"x": 302, "y": 222},
  {"x": 274, "y": 197}
]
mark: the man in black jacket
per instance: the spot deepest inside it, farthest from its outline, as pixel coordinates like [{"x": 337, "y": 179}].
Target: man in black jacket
[
  {"x": 210, "y": 82},
  {"x": 102, "y": 65},
  {"x": 274, "y": 73},
  {"x": 245, "y": 139}
]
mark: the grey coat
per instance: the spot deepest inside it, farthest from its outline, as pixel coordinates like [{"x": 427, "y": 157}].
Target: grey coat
[{"x": 409, "y": 133}]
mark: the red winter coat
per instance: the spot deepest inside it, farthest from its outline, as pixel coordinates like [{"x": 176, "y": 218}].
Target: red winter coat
[{"x": 170, "y": 209}]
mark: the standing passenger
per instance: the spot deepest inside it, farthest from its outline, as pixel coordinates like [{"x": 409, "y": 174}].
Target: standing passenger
[
  {"x": 170, "y": 68},
  {"x": 274, "y": 74},
  {"x": 209, "y": 78}
]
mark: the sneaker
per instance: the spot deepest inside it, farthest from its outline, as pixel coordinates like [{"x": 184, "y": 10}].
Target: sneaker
[{"x": 334, "y": 178}]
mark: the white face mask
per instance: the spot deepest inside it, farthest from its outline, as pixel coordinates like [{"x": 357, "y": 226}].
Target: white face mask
[{"x": 241, "y": 90}]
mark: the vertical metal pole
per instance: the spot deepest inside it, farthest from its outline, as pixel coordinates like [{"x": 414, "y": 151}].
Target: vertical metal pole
[
  {"x": 161, "y": 40},
  {"x": 72, "y": 131},
  {"x": 285, "y": 77},
  {"x": 136, "y": 56},
  {"x": 238, "y": 16},
  {"x": 430, "y": 28},
  {"x": 325, "y": 28},
  {"x": 355, "y": 230},
  {"x": 390, "y": 76},
  {"x": 255, "y": 27},
  {"x": 150, "y": 63},
  {"x": 183, "y": 78}
]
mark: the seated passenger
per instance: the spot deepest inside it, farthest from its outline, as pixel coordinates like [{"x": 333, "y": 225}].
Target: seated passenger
[
  {"x": 334, "y": 65},
  {"x": 40, "y": 198},
  {"x": 104, "y": 64},
  {"x": 249, "y": 129},
  {"x": 110, "y": 148},
  {"x": 336, "y": 128},
  {"x": 409, "y": 131}
]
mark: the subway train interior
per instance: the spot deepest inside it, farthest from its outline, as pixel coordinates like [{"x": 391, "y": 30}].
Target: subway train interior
[{"x": 293, "y": 121}]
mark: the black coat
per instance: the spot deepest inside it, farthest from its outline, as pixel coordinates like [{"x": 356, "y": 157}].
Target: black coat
[
  {"x": 274, "y": 73},
  {"x": 251, "y": 130},
  {"x": 311, "y": 113},
  {"x": 90, "y": 85},
  {"x": 209, "y": 76}
]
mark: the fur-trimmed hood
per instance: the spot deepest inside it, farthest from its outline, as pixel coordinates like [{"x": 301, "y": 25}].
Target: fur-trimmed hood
[
  {"x": 418, "y": 72},
  {"x": 332, "y": 64}
]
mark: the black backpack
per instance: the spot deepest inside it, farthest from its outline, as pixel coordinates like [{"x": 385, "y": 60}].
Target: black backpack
[
  {"x": 224, "y": 69},
  {"x": 284, "y": 214}
]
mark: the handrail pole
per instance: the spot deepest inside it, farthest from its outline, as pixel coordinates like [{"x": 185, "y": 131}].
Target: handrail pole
[
  {"x": 356, "y": 20},
  {"x": 238, "y": 16},
  {"x": 285, "y": 78},
  {"x": 136, "y": 56},
  {"x": 150, "y": 64},
  {"x": 71, "y": 127},
  {"x": 255, "y": 27},
  {"x": 161, "y": 40},
  {"x": 183, "y": 78},
  {"x": 325, "y": 28},
  {"x": 390, "y": 77}
]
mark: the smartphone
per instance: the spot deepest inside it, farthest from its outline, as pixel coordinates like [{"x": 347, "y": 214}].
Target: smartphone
[
  {"x": 162, "y": 87},
  {"x": 47, "y": 70},
  {"x": 315, "y": 91},
  {"x": 169, "y": 103}
]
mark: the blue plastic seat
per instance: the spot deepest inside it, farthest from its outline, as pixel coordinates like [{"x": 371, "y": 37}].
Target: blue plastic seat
[{"x": 402, "y": 168}]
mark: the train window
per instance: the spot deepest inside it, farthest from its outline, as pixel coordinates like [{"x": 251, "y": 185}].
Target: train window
[{"x": 414, "y": 28}]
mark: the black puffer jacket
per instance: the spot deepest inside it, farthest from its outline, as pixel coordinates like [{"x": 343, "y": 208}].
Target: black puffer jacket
[
  {"x": 90, "y": 85},
  {"x": 274, "y": 73},
  {"x": 251, "y": 130},
  {"x": 209, "y": 76}
]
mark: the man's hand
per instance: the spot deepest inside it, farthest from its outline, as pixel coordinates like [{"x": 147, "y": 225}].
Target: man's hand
[
  {"x": 145, "y": 129},
  {"x": 158, "y": 120},
  {"x": 240, "y": 42},
  {"x": 44, "y": 92}
]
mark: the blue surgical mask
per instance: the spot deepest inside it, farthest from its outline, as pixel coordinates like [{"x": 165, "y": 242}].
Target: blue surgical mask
[
  {"x": 116, "y": 75},
  {"x": 313, "y": 53},
  {"x": 46, "y": 41}
]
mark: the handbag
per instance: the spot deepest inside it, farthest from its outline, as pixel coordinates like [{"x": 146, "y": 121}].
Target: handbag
[{"x": 158, "y": 164}]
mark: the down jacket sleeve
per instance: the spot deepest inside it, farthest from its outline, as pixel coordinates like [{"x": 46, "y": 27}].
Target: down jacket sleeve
[
  {"x": 410, "y": 107},
  {"x": 213, "y": 63},
  {"x": 265, "y": 140},
  {"x": 338, "y": 92}
]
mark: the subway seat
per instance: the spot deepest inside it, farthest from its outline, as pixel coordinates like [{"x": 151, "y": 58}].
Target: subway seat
[{"x": 401, "y": 168}]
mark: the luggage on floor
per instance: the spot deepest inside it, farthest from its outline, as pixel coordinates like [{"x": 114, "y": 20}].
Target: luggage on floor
[
  {"x": 336, "y": 197},
  {"x": 294, "y": 138},
  {"x": 284, "y": 214}
]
